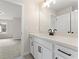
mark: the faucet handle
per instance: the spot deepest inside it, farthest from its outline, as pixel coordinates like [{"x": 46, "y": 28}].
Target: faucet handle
[
  {"x": 55, "y": 30},
  {"x": 49, "y": 30}
]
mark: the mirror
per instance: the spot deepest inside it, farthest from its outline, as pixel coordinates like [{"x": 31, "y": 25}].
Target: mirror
[{"x": 59, "y": 14}]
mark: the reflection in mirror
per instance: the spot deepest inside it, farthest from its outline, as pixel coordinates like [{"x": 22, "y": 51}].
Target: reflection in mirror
[
  {"x": 2, "y": 27},
  {"x": 61, "y": 15}
]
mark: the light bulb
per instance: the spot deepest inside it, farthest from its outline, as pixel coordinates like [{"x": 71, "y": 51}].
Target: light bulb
[{"x": 47, "y": 3}]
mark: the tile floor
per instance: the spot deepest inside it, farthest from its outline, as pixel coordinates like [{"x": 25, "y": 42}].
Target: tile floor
[{"x": 28, "y": 57}]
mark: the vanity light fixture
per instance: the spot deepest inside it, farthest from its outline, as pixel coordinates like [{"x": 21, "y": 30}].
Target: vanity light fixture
[{"x": 47, "y": 3}]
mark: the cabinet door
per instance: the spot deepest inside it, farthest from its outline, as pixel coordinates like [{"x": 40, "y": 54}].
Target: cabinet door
[
  {"x": 63, "y": 23},
  {"x": 41, "y": 52},
  {"x": 47, "y": 54},
  {"x": 65, "y": 52},
  {"x": 31, "y": 46},
  {"x": 37, "y": 51},
  {"x": 74, "y": 22}
]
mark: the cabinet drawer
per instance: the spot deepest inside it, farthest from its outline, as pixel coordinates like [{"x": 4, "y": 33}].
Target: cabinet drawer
[
  {"x": 44, "y": 43},
  {"x": 59, "y": 57},
  {"x": 67, "y": 52}
]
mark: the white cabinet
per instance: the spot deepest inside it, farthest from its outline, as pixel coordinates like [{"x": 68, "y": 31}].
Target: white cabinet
[
  {"x": 43, "y": 49},
  {"x": 64, "y": 52},
  {"x": 31, "y": 46},
  {"x": 37, "y": 51},
  {"x": 59, "y": 57},
  {"x": 41, "y": 52},
  {"x": 47, "y": 54}
]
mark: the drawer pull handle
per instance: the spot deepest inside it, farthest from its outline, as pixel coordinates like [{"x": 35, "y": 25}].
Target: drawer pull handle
[
  {"x": 32, "y": 43},
  {"x": 56, "y": 58},
  {"x": 39, "y": 49},
  {"x": 64, "y": 52}
]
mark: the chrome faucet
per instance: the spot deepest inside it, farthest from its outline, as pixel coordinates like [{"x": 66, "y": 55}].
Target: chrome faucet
[{"x": 54, "y": 31}]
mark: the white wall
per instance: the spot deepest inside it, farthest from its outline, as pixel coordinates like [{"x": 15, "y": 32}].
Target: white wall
[
  {"x": 64, "y": 11},
  {"x": 53, "y": 22},
  {"x": 11, "y": 15},
  {"x": 46, "y": 19},
  {"x": 18, "y": 2},
  {"x": 30, "y": 23},
  {"x": 9, "y": 10},
  {"x": 14, "y": 28}
]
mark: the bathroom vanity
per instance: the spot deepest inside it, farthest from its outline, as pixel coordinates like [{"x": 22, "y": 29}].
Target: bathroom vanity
[{"x": 59, "y": 46}]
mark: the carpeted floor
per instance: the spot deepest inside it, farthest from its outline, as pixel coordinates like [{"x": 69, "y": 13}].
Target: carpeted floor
[{"x": 9, "y": 48}]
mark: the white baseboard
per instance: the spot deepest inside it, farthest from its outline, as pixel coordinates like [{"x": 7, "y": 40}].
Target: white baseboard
[
  {"x": 24, "y": 54},
  {"x": 20, "y": 57}
]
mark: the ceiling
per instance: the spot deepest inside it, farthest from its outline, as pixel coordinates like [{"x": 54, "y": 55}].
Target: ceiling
[
  {"x": 18, "y": 2},
  {"x": 61, "y": 4}
]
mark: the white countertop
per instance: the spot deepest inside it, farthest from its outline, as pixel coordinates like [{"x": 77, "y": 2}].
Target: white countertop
[{"x": 70, "y": 40}]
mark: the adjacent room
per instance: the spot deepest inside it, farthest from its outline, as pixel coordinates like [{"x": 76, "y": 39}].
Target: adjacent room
[{"x": 10, "y": 30}]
